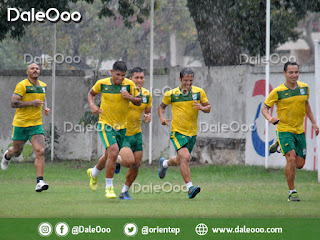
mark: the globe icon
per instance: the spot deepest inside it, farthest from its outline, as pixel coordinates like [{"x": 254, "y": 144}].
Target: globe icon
[{"x": 201, "y": 229}]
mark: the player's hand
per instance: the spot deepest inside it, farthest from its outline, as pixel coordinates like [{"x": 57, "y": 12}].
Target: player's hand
[
  {"x": 125, "y": 94},
  {"x": 316, "y": 128},
  {"x": 95, "y": 109},
  {"x": 273, "y": 120},
  {"x": 197, "y": 105},
  {"x": 37, "y": 103},
  {"x": 47, "y": 111},
  {"x": 147, "y": 117},
  {"x": 165, "y": 121}
]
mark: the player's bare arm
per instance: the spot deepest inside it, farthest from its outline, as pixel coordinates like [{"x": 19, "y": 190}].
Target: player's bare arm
[
  {"x": 311, "y": 117},
  {"x": 267, "y": 115},
  {"x": 147, "y": 115},
  {"x": 16, "y": 102},
  {"x": 94, "y": 108},
  {"x": 204, "y": 107},
  {"x": 161, "y": 110},
  {"x": 135, "y": 100}
]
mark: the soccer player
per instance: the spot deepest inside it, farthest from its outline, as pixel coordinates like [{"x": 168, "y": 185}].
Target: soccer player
[
  {"x": 186, "y": 101},
  {"x": 133, "y": 139},
  {"x": 291, "y": 99},
  {"x": 116, "y": 93},
  {"x": 28, "y": 98}
]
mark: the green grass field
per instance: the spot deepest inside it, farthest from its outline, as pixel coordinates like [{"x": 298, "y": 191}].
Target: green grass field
[{"x": 226, "y": 191}]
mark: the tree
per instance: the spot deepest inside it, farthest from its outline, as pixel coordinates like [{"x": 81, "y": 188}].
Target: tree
[
  {"x": 97, "y": 39},
  {"x": 225, "y": 28},
  {"x": 228, "y": 28}
]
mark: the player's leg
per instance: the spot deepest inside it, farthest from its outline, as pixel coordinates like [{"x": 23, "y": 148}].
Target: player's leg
[
  {"x": 13, "y": 151},
  {"x": 290, "y": 169},
  {"x": 288, "y": 147},
  {"x": 131, "y": 175},
  {"x": 127, "y": 157},
  {"x": 94, "y": 172},
  {"x": 19, "y": 137},
  {"x": 38, "y": 145},
  {"x": 110, "y": 166}
]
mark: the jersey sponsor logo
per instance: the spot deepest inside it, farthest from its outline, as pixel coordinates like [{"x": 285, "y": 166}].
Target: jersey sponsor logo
[
  {"x": 194, "y": 96},
  {"x": 144, "y": 100}
]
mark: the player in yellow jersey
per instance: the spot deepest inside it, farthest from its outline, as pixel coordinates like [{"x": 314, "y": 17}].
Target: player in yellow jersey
[
  {"x": 186, "y": 101},
  {"x": 116, "y": 94},
  {"x": 28, "y": 98},
  {"x": 133, "y": 139},
  {"x": 291, "y": 99}
]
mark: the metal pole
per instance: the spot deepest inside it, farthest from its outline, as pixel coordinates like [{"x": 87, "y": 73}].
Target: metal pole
[
  {"x": 317, "y": 84},
  {"x": 151, "y": 77},
  {"x": 53, "y": 88},
  {"x": 267, "y": 79}
]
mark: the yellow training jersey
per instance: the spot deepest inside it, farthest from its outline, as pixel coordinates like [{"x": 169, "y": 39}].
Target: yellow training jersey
[
  {"x": 32, "y": 115},
  {"x": 114, "y": 107},
  {"x": 184, "y": 116},
  {"x": 135, "y": 112},
  {"x": 291, "y": 106}
]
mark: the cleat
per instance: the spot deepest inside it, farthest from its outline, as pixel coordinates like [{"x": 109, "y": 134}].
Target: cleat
[
  {"x": 118, "y": 166},
  {"x": 93, "y": 180},
  {"x": 162, "y": 170},
  {"x": 274, "y": 147},
  {"x": 4, "y": 162},
  {"x": 41, "y": 186},
  {"x": 124, "y": 196},
  {"x": 293, "y": 197},
  {"x": 193, "y": 191},
  {"x": 110, "y": 193}
]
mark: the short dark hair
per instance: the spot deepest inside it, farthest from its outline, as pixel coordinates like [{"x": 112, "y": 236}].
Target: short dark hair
[
  {"x": 134, "y": 70},
  {"x": 119, "y": 66},
  {"x": 186, "y": 71},
  {"x": 289, "y": 63}
]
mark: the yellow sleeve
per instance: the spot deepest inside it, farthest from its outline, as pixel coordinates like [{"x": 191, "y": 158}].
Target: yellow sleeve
[
  {"x": 97, "y": 87},
  {"x": 167, "y": 97},
  {"x": 20, "y": 90},
  {"x": 150, "y": 101},
  {"x": 272, "y": 98},
  {"x": 203, "y": 96}
]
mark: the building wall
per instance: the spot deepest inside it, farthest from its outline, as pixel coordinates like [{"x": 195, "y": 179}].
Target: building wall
[{"x": 224, "y": 135}]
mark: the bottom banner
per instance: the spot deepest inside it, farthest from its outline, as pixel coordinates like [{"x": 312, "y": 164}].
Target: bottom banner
[{"x": 160, "y": 228}]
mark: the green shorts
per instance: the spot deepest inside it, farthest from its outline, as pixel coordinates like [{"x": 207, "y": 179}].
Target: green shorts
[
  {"x": 179, "y": 141},
  {"x": 134, "y": 142},
  {"x": 289, "y": 141},
  {"x": 111, "y": 136},
  {"x": 26, "y": 133}
]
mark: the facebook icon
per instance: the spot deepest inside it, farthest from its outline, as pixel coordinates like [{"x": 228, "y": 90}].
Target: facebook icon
[{"x": 62, "y": 229}]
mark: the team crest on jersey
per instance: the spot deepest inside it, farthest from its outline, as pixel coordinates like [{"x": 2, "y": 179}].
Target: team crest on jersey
[
  {"x": 124, "y": 89},
  {"x": 144, "y": 100},
  {"x": 302, "y": 91},
  {"x": 44, "y": 90},
  {"x": 194, "y": 96}
]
